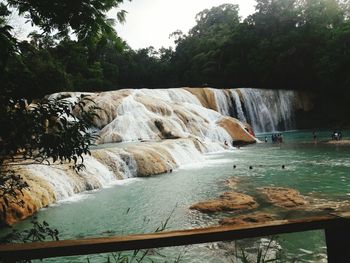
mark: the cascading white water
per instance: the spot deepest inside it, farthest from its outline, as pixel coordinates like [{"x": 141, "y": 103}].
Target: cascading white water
[
  {"x": 66, "y": 182},
  {"x": 238, "y": 106},
  {"x": 170, "y": 95},
  {"x": 183, "y": 152},
  {"x": 180, "y": 112},
  {"x": 128, "y": 115},
  {"x": 131, "y": 115},
  {"x": 268, "y": 110},
  {"x": 223, "y": 103},
  {"x": 265, "y": 110}
]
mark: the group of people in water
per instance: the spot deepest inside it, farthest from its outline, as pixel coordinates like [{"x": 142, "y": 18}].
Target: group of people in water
[
  {"x": 337, "y": 135},
  {"x": 275, "y": 138}
]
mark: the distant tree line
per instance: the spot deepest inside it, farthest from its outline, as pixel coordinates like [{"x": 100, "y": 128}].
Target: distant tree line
[{"x": 285, "y": 44}]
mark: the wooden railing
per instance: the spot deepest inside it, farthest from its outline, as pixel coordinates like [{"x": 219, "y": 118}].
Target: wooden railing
[{"x": 336, "y": 226}]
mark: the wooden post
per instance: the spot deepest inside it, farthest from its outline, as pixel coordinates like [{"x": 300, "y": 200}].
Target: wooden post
[{"x": 338, "y": 244}]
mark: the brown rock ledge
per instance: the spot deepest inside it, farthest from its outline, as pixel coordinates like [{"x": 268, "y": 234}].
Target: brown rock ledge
[
  {"x": 253, "y": 218},
  {"x": 283, "y": 197},
  {"x": 228, "y": 201},
  {"x": 237, "y": 130}
]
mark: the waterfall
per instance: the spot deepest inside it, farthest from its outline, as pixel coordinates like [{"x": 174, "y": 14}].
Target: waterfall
[
  {"x": 238, "y": 106},
  {"x": 183, "y": 152},
  {"x": 131, "y": 114},
  {"x": 268, "y": 110},
  {"x": 180, "y": 113},
  {"x": 223, "y": 103},
  {"x": 179, "y": 127},
  {"x": 265, "y": 110}
]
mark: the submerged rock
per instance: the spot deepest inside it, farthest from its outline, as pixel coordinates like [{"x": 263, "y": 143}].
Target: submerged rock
[
  {"x": 291, "y": 199},
  {"x": 317, "y": 204},
  {"x": 283, "y": 197},
  {"x": 253, "y": 218},
  {"x": 228, "y": 201},
  {"x": 231, "y": 182}
]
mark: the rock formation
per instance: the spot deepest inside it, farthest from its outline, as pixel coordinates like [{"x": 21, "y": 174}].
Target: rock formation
[
  {"x": 283, "y": 197},
  {"x": 254, "y": 218},
  {"x": 228, "y": 201},
  {"x": 196, "y": 120}
]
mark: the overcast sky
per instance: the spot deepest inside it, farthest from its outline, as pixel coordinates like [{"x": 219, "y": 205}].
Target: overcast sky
[{"x": 150, "y": 22}]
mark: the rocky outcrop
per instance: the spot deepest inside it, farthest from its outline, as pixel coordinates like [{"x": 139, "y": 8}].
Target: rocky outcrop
[
  {"x": 38, "y": 194},
  {"x": 283, "y": 197},
  {"x": 151, "y": 160},
  {"x": 228, "y": 201},
  {"x": 291, "y": 199},
  {"x": 237, "y": 130},
  {"x": 254, "y": 218},
  {"x": 206, "y": 96},
  {"x": 165, "y": 133},
  {"x": 51, "y": 183},
  {"x": 155, "y": 106},
  {"x": 107, "y": 103}
]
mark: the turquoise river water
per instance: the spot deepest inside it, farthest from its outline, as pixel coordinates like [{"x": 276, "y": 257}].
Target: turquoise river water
[{"x": 140, "y": 205}]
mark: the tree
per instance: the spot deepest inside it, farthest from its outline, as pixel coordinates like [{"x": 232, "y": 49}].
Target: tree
[
  {"x": 27, "y": 67},
  {"x": 45, "y": 130},
  {"x": 84, "y": 18},
  {"x": 199, "y": 58},
  {"x": 7, "y": 41}
]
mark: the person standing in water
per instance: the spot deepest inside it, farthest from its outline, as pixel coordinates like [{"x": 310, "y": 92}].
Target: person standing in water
[{"x": 314, "y": 136}]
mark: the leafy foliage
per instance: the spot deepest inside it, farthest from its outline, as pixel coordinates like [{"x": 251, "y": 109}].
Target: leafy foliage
[
  {"x": 86, "y": 18},
  {"x": 11, "y": 185},
  {"x": 48, "y": 129},
  {"x": 7, "y": 41},
  {"x": 38, "y": 233}
]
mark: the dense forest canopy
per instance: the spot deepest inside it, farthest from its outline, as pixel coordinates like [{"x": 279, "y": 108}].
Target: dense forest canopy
[{"x": 285, "y": 44}]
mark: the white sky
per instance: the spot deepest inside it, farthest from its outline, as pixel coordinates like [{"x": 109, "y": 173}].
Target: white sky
[{"x": 150, "y": 22}]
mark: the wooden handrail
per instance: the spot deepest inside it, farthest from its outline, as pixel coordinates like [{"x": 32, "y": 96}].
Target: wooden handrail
[{"x": 336, "y": 227}]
